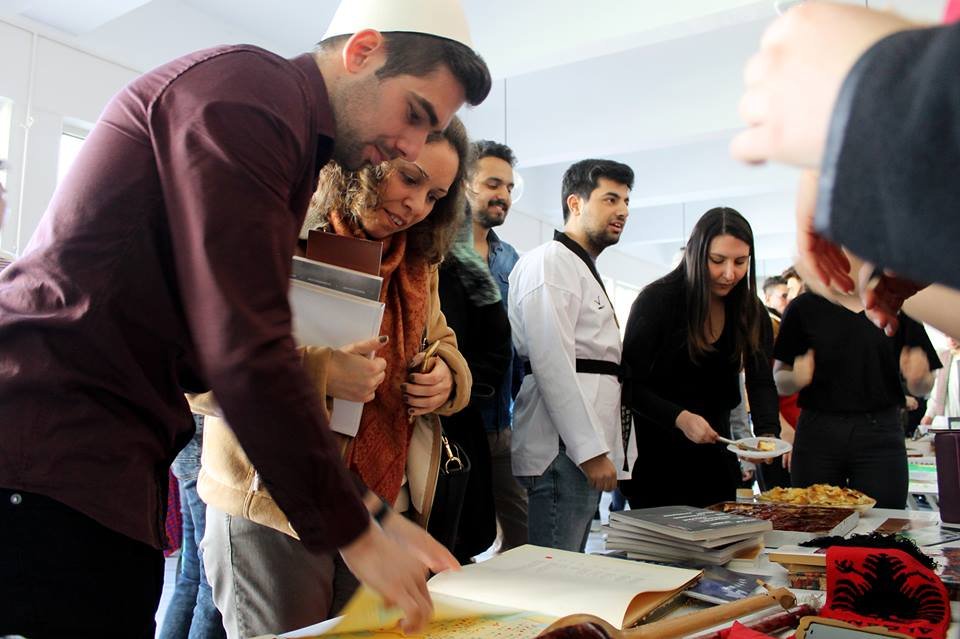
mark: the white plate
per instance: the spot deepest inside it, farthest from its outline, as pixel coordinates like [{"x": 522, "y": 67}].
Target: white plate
[{"x": 781, "y": 447}]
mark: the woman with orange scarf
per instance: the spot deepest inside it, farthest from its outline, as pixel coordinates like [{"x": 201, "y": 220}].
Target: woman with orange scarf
[{"x": 264, "y": 580}]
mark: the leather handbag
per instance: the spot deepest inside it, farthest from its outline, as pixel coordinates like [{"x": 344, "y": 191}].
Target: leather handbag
[
  {"x": 452, "y": 478},
  {"x": 437, "y": 473}
]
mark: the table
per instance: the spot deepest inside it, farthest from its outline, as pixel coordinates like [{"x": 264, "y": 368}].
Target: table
[
  {"x": 775, "y": 574},
  {"x": 868, "y": 522}
]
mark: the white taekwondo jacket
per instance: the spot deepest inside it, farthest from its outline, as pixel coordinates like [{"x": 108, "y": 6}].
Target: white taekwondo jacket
[{"x": 559, "y": 313}]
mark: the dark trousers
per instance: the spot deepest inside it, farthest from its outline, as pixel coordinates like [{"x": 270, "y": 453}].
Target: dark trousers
[
  {"x": 864, "y": 451},
  {"x": 63, "y": 574},
  {"x": 773, "y": 475}
]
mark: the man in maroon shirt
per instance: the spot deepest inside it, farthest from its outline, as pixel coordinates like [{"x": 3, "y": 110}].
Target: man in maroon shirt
[{"x": 162, "y": 266}]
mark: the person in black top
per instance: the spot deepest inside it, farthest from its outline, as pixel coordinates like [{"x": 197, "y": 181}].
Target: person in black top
[
  {"x": 470, "y": 301},
  {"x": 688, "y": 336},
  {"x": 848, "y": 375}
]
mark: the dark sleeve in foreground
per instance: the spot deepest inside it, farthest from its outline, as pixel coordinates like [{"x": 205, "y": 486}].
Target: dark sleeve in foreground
[
  {"x": 764, "y": 402},
  {"x": 888, "y": 186},
  {"x": 228, "y": 161},
  {"x": 646, "y": 330}
]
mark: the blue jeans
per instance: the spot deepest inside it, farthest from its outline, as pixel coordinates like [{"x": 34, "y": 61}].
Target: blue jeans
[
  {"x": 561, "y": 505},
  {"x": 191, "y": 613}
]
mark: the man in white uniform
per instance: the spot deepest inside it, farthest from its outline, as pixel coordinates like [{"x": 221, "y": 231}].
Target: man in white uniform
[
  {"x": 570, "y": 441},
  {"x": 945, "y": 396}
]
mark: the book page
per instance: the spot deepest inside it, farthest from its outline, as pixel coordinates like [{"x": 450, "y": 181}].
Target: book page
[
  {"x": 557, "y": 582},
  {"x": 453, "y": 618}
]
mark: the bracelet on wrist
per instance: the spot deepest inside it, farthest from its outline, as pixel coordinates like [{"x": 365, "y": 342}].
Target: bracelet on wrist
[{"x": 381, "y": 512}]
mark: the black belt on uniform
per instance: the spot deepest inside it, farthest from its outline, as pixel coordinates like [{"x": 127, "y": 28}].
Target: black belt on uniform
[{"x": 590, "y": 366}]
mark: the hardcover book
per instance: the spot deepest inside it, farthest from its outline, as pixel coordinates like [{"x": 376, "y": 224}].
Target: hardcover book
[
  {"x": 324, "y": 317},
  {"x": 337, "y": 278},
  {"x": 628, "y": 527},
  {"x": 638, "y": 548},
  {"x": 692, "y": 524},
  {"x": 719, "y": 585},
  {"x": 345, "y": 251}
]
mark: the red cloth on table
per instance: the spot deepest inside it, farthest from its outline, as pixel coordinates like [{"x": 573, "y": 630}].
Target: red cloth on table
[
  {"x": 885, "y": 587},
  {"x": 740, "y": 631}
]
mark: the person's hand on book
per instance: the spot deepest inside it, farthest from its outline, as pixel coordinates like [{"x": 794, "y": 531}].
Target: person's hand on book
[
  {"x": 419, "y": 543},
  {"x": 424, "y": 393},
  {"x": 353, "y": 373},
  {"x": 695, "y": 428},
  {"x": 601, "y": 473},
  {"x": 392, "y": 571}
]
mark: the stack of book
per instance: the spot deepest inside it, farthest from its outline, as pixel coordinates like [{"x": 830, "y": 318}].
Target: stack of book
[
  {"x": 806, "y": 567},
  {"x": 335, "y": 301},
  {"x": 684, "y": 533}
]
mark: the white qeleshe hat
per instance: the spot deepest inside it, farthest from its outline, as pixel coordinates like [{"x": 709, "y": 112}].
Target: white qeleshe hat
[{"x": 442, "y": 18}]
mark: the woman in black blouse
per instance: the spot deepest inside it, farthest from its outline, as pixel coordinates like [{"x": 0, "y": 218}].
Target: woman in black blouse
[
  {"x": 688, "y": 336},
  {"x": 848, "y": 374}
]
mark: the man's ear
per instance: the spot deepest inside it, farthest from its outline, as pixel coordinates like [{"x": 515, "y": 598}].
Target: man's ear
[
  {"x": 363, "y": 50},
  {"x": 573, "y": 204},
  {"x": 469, "y": 183}
]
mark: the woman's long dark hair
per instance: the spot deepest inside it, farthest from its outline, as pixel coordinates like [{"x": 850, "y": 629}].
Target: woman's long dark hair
[{"x": 742, "y": 304}]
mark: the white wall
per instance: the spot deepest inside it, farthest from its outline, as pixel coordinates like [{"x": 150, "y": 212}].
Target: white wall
[
  {"x": 525, "y": 231},
  {"x": 49, "y": 83}
]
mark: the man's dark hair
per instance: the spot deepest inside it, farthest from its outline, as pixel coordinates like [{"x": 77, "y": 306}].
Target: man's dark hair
[
  {"x": 773, "y": 281},
  {"x": 489, "y": 149},
  {"x": 582, "y": 178},
  {"x": 418, "y": 54}
]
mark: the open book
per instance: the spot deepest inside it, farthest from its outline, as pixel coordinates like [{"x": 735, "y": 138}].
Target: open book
[{"x": 519, "y": 593}]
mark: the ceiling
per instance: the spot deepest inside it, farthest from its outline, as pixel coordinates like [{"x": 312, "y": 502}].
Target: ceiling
[{"x": 653, "y": 83}]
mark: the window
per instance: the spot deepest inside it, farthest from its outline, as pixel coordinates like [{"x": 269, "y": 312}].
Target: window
[
  {"x": 71, "y": 140},
  {"x": 6, "y": 124},
  {"x": 623, "y": 298}
]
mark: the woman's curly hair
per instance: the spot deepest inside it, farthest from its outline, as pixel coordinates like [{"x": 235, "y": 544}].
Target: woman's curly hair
[{"x": 355, "y": 193}]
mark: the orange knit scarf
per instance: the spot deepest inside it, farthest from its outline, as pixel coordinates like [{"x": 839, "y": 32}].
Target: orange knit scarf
[{"x": 379, "y": 451}]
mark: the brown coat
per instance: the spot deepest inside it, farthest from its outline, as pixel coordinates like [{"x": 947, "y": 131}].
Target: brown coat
[{"x": 229, "y": 482}]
